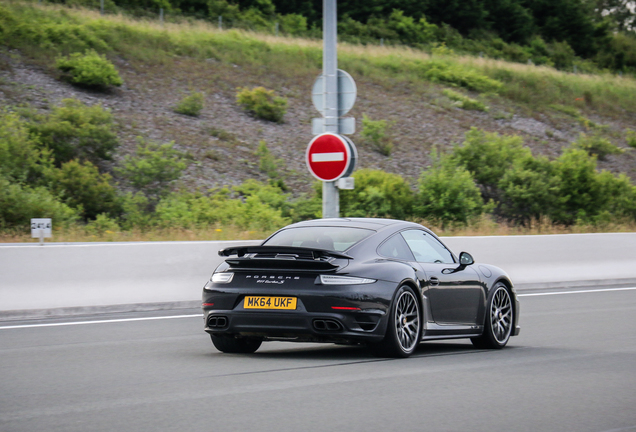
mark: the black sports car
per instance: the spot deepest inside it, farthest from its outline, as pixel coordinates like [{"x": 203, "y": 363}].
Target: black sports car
[{"x": 385, "y": 283}]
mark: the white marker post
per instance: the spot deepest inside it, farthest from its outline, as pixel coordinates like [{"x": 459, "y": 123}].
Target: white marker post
[{"x": 41, "y": 228}]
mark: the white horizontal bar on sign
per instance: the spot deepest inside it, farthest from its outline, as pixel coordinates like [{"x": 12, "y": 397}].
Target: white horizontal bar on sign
[{"x": 327, "y": 157}]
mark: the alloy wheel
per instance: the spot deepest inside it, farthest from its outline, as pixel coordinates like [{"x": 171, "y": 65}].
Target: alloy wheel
[
  {"x": 501, "y": 315},
  {"x": 407, "y": 320}
]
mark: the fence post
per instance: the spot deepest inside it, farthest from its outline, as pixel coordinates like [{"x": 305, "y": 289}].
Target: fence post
[
  {"x": 161, "y": 15},
  {"x": 220, "y": 22}
]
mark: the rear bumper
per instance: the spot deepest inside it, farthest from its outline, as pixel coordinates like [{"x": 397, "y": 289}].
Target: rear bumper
[{"x": 297, "y": 326}]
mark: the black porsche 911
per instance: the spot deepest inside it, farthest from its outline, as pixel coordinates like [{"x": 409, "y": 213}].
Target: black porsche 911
[{"x": 385, "y": 283}]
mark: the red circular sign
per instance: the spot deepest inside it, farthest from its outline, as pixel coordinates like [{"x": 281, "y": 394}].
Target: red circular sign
[{"x": 328, "y": 157}]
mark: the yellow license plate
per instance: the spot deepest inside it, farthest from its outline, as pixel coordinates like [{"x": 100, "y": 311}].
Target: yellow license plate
[{"x": 252, "y": 302}]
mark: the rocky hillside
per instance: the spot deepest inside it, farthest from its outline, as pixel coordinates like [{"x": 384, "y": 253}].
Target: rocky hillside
[{"x": 223, "y": 140}]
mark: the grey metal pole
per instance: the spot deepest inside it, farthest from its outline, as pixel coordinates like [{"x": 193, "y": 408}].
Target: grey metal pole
[
  {"x": 161, "y": 15},
  {"x": 330, "y": 195},
  {"x": 101, "y": 6},
  {"x": 220, "y": 22}
]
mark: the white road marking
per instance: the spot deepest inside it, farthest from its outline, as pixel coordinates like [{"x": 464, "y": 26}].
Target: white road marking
[
  {"x": 98, "y": 322},
  {"x": 576, "y": 292},
  {"x": 60, "y": 324},
  {"x": 327, "y": 157}
]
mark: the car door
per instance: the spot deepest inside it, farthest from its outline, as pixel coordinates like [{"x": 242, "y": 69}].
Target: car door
[{"x": 455, "y": 293}]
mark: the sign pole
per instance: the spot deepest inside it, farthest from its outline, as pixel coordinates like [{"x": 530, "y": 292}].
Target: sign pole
[{"x": 330, "y": 195}]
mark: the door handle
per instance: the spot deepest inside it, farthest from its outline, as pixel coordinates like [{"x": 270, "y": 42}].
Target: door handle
[{"x": 434, "y": 281}]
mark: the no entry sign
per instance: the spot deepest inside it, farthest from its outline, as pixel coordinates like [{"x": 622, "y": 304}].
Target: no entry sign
[{"x": 330, "y": 156}]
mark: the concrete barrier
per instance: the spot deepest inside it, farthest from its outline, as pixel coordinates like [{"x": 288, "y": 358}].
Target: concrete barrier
[
  {"x": 78, "y": 276},
  {"x": 73, "y": 278},
  {"x": 546, "y": 261}
]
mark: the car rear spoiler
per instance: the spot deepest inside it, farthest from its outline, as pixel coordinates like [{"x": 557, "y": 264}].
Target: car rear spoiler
[{"x": 281, "y": 257}]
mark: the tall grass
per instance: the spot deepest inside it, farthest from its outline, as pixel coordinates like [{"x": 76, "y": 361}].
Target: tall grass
[{"x": 484, "y": 226}]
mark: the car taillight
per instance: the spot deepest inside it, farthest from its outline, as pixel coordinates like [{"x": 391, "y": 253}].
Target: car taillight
[
  {"x": 344, "y": 280},
  {"x": 222, "y": 277}
]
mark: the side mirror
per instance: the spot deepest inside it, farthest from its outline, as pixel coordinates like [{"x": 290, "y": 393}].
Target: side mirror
[{"x": 466, "y": 259}]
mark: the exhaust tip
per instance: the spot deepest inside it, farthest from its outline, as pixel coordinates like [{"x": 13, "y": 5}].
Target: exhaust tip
[{"x": 327, "y": 325}]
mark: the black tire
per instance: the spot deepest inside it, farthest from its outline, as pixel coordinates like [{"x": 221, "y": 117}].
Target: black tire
[
  {"x": 499, "y": 319},
  {"x": 228, "y": 344},
  {"x": 404, "y": 330}
]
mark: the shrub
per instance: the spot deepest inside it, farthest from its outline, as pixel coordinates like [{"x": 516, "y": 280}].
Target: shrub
[
  {"x": 448, "y": 193},
  {"x": 487, "y": 156},
  {"x": 374, "y": 133},
  {"x": 257, "y": 209},
  {"x": 76, "y": 131},
  {"x": 20, "y": 158},
  {"x": 190, "y": 105},
  {"x": 262, "y": 103},
  {"x": 583, "y": 189},
  {"x": 102, "y": 226},
  {"x": 89, "y": 69},
  {"x": 81, "y": 186},
  {"x": 153, "y": 167},
  {"x": 136, "y": 211},
  {"x": 597, "y": 145},
  {"x": 454, "y": 74},
  {"x": 531, "y": 189},
  {"x": 293, "y": 24},
  {"x": 267, "y": 163},
  {"x": 464, "y": 102},
  {"x": 18, "y": 204},
  {"x": 377, "y": 193},
  {"x": 630, "y": 137}
]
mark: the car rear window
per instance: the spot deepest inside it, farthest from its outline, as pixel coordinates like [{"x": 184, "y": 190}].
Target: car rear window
[{"x": 329, "y": 238}]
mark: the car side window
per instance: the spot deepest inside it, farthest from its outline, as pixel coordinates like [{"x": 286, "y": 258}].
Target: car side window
[
  {"x": 427, "y": 248},
  {"x": 396, "y": 247}
]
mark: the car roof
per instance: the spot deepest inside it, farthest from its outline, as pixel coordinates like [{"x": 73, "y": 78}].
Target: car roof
[{"x": 375, "y": 224}]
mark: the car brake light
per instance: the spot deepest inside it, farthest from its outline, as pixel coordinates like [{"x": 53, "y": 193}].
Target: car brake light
[
  {"x": 222, "y": 277},
  {"x": 344, "y": 280}
]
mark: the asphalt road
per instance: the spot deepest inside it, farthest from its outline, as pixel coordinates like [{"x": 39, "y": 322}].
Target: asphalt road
[{"x": 573, "y": 368}]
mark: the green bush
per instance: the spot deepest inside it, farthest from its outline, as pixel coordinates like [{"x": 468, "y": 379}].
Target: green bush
[
  {"x": 82, "y": 187},
  {"x": 439, "y": 71},
  {"x": 464, "y": 102},
  {"x": 567, "y": 190},
  {"x": 103, "y": 225},
  {"x": 630, "y": 137},
  {"x": 262, "y": 103},
  {"x": 137, "y": 211},
  {"x": 597, "y": 145},
  {"x": 487, "y": 156},
  {"x": 76, "y": 131},
  {"x": 21, "y": 159},
  {"x": 293, "y": 24},
  {"x": 267, "y": 163},
  {"x": 18, "y": 204},
  {"x": 190, "y": 105},
  {"x": 89, "y": 69},
  {"x": 530, "y": 189},
  {"x": 448, "y": 193},
  {"x": 374, "y": 134},
  {"x": 258, "y": 208},
  {"x": 588, "y": 193},
  {"x": 153, "y": 167},
  {"x": 377, "y": 193}
]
